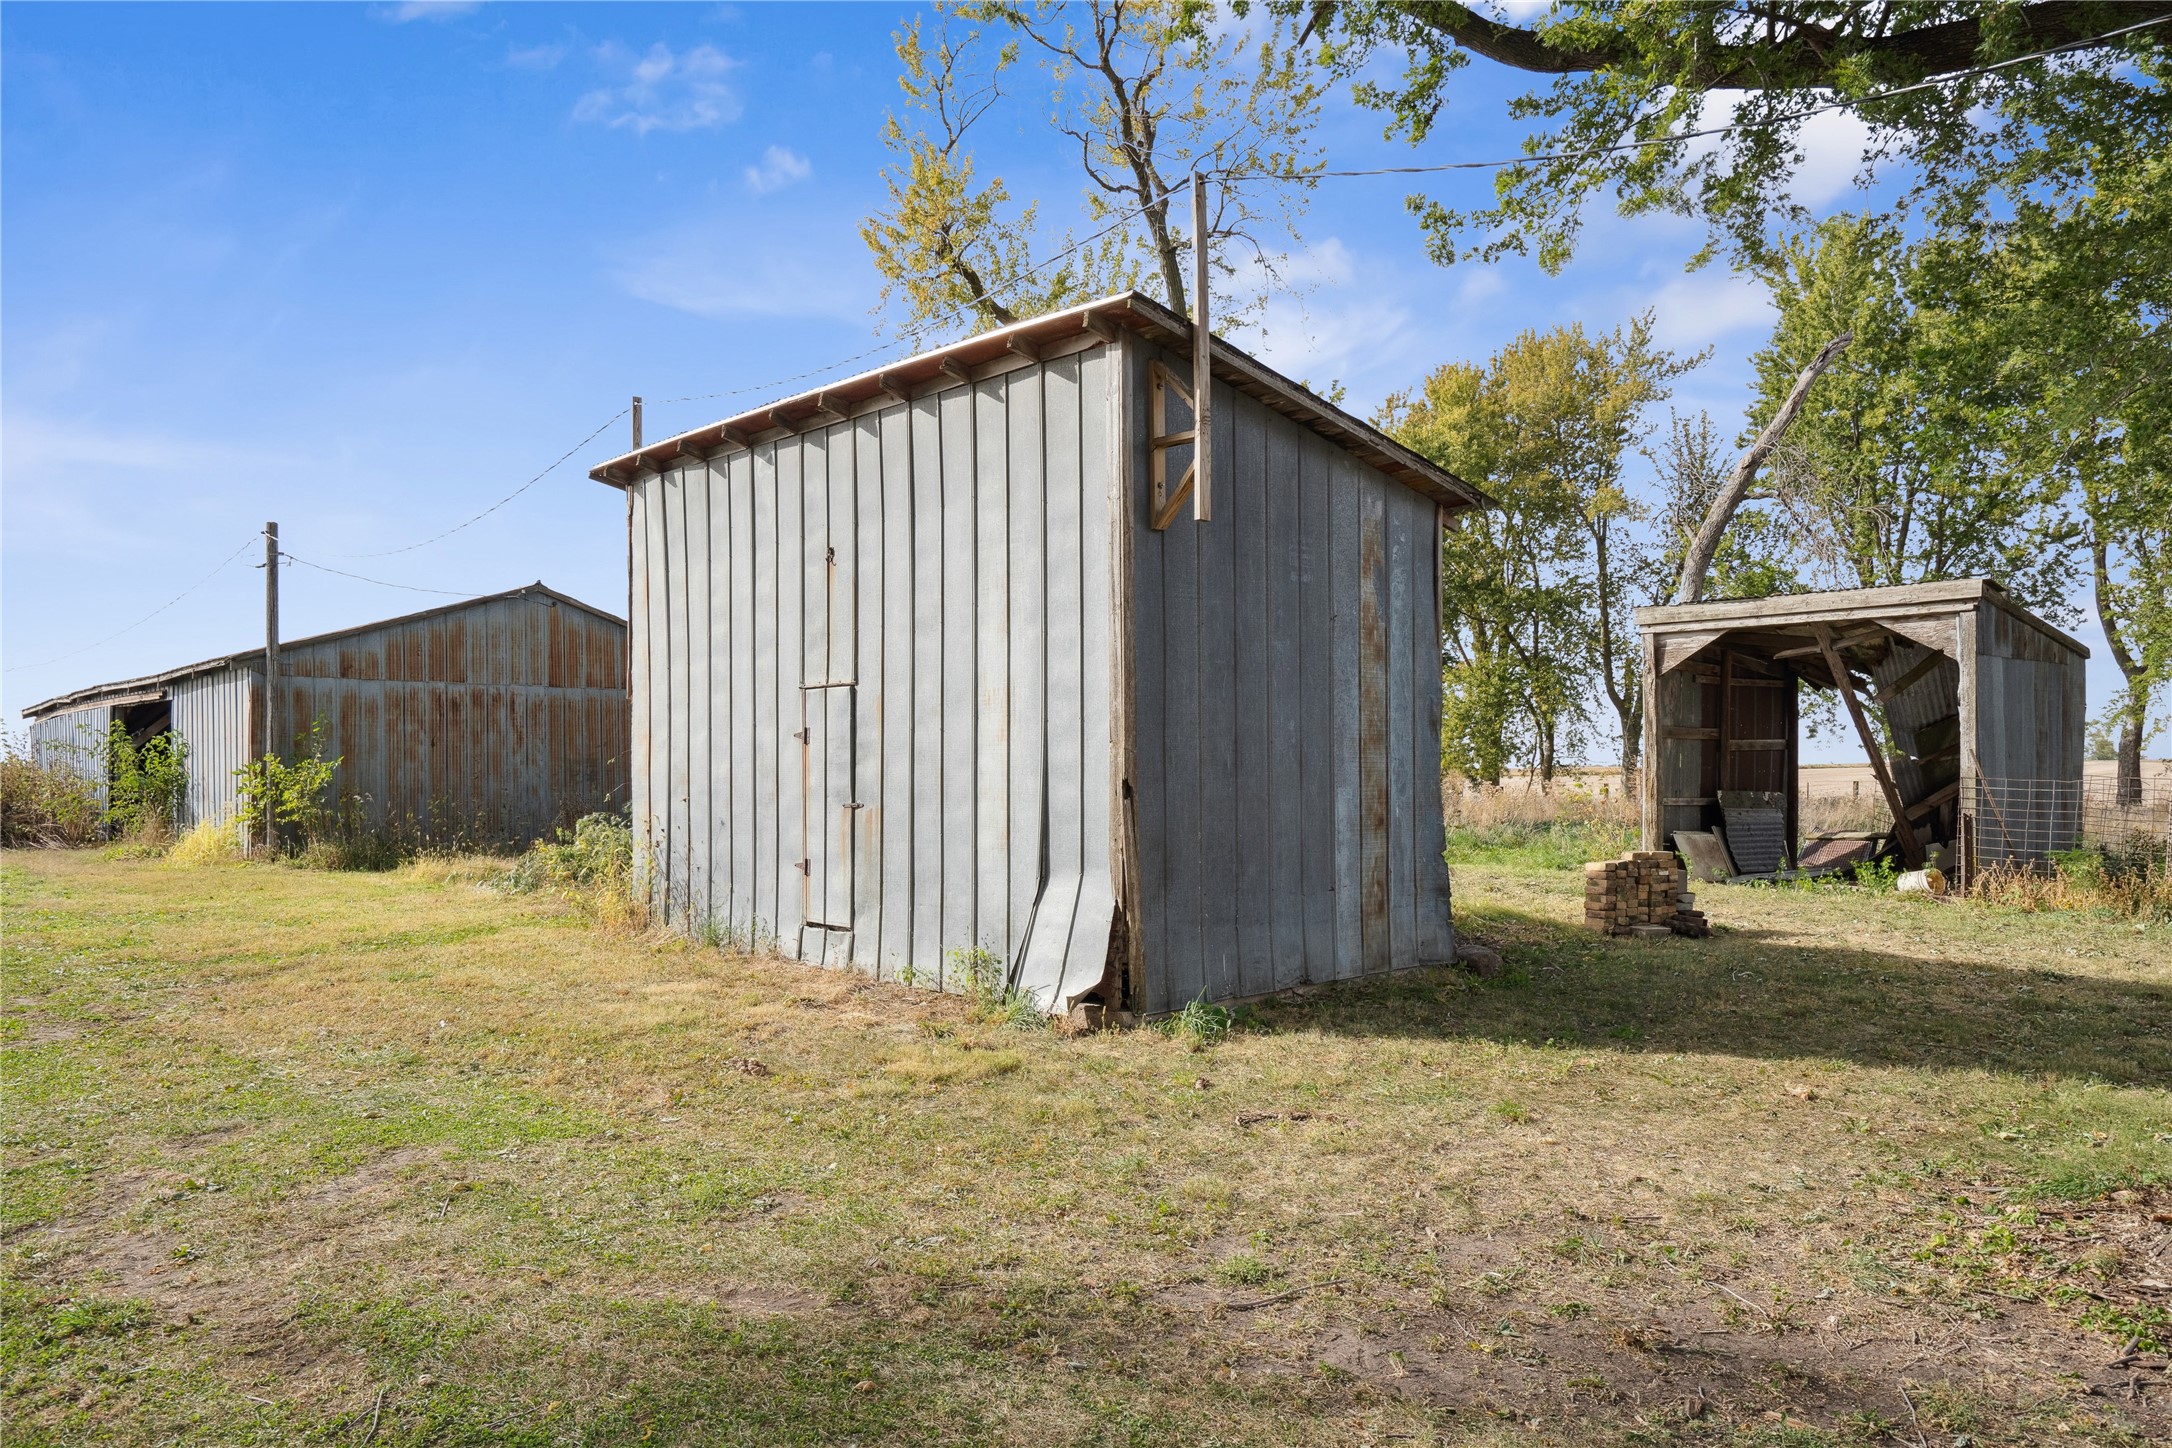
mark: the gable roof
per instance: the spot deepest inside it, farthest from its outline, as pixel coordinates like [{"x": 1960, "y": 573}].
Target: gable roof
[
  {"x": 1829, "y": 606},
  {"x": 120, "y": 688},
  {"x": 955, "y": 364}
]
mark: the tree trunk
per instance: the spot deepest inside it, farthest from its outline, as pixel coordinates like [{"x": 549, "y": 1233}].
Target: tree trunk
[
  {"x": 2128, "y": 792},
  {"x": 1698, "y": 562}
]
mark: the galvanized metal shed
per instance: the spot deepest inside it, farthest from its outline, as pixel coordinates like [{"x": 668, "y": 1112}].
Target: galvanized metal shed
[
  {"x": 915, "y": 675},
  {"x": 1983, "y": 704},
  {"x": 491, "y": 719}
]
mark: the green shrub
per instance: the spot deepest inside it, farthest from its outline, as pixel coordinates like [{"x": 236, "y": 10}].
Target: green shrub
[
  {"x": 292, "y": 795},
  {"x": 590, "y": 864},
  {"x": 145, "y": 783}
]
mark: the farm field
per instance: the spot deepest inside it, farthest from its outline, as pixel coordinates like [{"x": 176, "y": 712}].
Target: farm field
[{"x": 296, "y": 1156}]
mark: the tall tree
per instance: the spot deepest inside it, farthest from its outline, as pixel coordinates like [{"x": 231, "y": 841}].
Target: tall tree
[
  {"x": 1893, "y": 472},
  {"x": 1144, "y": 90},
  {"x": 1549, "y": 428}
]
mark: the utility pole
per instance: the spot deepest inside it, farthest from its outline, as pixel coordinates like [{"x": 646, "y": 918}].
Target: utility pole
[
  {"x": 271, "y": 680},
  {"x": 1202, "y": 361}
]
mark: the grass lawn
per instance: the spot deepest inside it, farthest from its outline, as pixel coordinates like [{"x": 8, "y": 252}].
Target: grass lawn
[{"x": 392, "y": 1159}]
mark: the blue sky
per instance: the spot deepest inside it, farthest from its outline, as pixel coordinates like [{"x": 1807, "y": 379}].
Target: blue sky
[{"x": 365, "y": 269}]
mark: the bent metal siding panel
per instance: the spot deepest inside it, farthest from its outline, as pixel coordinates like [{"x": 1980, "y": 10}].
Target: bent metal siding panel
[
  {"x": 920, "y": 596},
  {"x": 1288, "y": 699}
]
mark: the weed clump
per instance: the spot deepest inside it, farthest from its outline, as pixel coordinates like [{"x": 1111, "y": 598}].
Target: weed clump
[
  {"x": 207, "y": 843},
  {"x": 590, "y": 865},
  {"x": 1200, "y": 1025},
  {"x": 990, "y": 998},
  {"x": 45, "y": 802}
]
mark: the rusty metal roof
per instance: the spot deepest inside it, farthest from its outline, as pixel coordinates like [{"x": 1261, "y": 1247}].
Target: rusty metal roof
[
  {"x": 954, "y": 364},
  {"x": 114, "y": 692}
]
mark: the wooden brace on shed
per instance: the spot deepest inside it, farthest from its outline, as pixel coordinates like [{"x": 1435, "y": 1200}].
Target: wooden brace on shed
[{"x": 1162, "y": 501}]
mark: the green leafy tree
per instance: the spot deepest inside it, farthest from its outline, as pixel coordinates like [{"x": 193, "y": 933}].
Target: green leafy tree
[
  {"x": 1543, "y": 591},
  {"x": 1144, "y": 90},
  {"x": 1628, "y": 84},
  {"x": 1893, "y": 472}
]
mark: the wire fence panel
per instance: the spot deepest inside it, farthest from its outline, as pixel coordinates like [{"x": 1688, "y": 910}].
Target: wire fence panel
[{"x": 2024, "y": 823}]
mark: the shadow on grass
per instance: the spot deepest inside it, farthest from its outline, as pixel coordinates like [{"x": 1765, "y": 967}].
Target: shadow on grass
[{"x": 1752, "y": 993}]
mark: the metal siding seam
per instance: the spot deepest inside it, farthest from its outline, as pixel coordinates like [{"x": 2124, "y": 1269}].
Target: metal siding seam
[
  {"x": 1279, "y": 528},
  {"x": 1181, "y": 759},
  {"x": 762, "y": 920},
  {"x": 925, "y": 954},
  {"x": 991, "y": 829},
  {"x": 745, "y": 813},
  {"x": 1218, "y": 846},
  {"x": 791, "y": 647},
  {"x": 1343, "y": 567},
  {"x": 700, "y": 648},
  {"x": 841, "y": 825},
  {"x": 717, "y": 823},
  {"x": 1027, "y": 629},
  {"x": 869, "y": 738},
  {"x": 1087, "y": 960},
  {"x": 1316, "y": 709},
  {"x": 1241, "y": 509},
  {"x": 1402, "y": 705},
  {"x": 1372, "y": 740},
  {"x": 960, "y": 670},
  {"x": 814, "y": 663},
  {"x": 1436, "y": 943},
  {"x": 896, "y": 705},
  {"x": 1150, "y": 694},
  {"x": 671, "y": 633},
  {"x": 643, "y": 810}
]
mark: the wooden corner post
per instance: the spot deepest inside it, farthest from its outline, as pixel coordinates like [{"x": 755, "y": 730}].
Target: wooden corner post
[{"x": 1202, "y": 360}]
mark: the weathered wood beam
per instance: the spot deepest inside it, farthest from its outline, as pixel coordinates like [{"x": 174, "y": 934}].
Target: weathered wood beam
[
  {"x": 955, "y": 370},
  {"x": 1903, "y": 831}
]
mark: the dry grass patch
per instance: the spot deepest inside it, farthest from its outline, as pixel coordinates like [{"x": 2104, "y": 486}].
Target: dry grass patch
[{"x": 291, "y": 1153}]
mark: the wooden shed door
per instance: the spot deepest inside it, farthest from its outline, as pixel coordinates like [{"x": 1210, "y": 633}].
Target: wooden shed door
[{"x": 827, "y": 805}]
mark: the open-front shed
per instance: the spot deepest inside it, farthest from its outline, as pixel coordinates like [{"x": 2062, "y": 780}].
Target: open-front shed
[
  {"x": 924, "y": 683},
  {"x": 1970, "y": 707}
]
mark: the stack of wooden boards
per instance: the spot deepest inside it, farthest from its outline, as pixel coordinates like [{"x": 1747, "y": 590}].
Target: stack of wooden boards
[{"x": 1644, "y": 893}]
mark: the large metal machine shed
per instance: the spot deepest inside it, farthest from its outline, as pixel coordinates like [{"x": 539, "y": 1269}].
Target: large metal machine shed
[
  {"x": 493, "y": 719},
  {"x": 915, "y": 676}
]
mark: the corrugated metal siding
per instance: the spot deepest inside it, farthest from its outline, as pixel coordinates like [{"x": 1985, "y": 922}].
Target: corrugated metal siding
[
  {"x": 496, "y": 722},
  {"x": 72, "y": 740},
  {"x": 871, "y": 683},
  {"x": 2031, "y": 713},
  {"x": 214, "y": 712},
  {"x": 1288, "y": 718}
]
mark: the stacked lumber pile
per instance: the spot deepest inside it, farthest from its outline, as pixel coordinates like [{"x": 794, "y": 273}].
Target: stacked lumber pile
[{"x": 1644, "y": 893}]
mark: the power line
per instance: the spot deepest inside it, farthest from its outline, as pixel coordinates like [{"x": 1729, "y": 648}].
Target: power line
[
  {"x": 559, "y": 462},
  {"x": 381, "y": 583},
  {"x": 154, "y": 613}
]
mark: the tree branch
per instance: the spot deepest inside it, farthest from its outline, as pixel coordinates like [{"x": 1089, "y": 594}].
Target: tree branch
[
  {"x": 1698, "y": 561},
  {"x": 1803, "y": 54}
]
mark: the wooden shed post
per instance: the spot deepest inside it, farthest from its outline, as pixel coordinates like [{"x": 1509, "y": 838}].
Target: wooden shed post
[
  {"x": 271, "y": 678},
  {"x": 1202, "y": 362}
]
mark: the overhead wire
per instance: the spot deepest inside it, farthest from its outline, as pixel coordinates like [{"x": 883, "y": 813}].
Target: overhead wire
[
  {"x": 381, "y": 583},
  {"x": 254, "y": 538}
]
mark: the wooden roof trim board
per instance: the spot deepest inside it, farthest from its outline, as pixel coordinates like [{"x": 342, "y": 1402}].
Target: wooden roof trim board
[
  {"x": 1906, "y": 603},
  {"x": 110, "y": 694},
  {"x": 992, "y": 353}
]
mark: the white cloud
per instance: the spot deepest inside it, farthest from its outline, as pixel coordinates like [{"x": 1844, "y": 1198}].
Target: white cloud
[
  {"x": 1833, "y": 145},
  {"x": 1479, "y": 283},
  {"x": 781, "y": 166},
  {"x": 663, "y": 91},
  {"x": 408, "y": 10},
  {"x": 535, "y": 57},
  {"x": 691, "y": 270},
  {"x": 1695, "y": 311}
]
